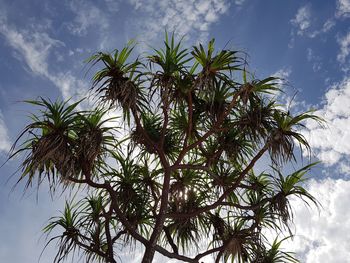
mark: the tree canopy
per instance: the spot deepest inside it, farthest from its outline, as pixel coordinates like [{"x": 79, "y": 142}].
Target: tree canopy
[{"x": 173, "y": 173}]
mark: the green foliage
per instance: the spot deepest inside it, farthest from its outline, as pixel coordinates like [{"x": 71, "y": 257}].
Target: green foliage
[{"x": 182, "y": 178}]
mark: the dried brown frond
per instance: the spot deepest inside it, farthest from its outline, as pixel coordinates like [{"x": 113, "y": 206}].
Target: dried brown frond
[
  {"x": 281, "y": 206},
  {"x": 89, "y": 146},
  {"x": 54, "y": 148},
  {"x": 120, "y": 91},
  {"x": 138, "y": 138},
  {"x": 246, "y": 92}
]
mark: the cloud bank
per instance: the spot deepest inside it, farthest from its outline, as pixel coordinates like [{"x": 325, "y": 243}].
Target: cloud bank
[
  {"x": 321, "y": 236},
  {"x": 331, "y": 143}
]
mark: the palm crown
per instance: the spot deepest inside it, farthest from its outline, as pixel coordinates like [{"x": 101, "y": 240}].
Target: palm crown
[{"x": 184, "y": 173}]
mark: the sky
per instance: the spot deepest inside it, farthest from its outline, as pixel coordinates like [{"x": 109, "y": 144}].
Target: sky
[{"x": 43, "y": 45}]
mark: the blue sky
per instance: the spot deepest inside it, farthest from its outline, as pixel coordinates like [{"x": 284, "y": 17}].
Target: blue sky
[{"x": 43, "y": 45}]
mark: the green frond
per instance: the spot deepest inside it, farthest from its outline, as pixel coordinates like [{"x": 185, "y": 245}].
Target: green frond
[
  {"x": 275, "y": 255},
  {"x": 118, "y": 83},
  {"x": 286, "y": 186},
  {"x": 287, "y": 134}
]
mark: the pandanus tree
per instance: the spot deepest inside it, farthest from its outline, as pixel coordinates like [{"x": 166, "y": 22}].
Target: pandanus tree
[{"x": 175, "y": 173}]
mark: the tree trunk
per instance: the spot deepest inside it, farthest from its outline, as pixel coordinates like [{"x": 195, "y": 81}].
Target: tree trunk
[{"x": 148, "y": 255}]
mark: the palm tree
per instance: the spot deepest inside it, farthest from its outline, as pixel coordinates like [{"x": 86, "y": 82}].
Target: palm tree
[{"x": 181, "y": 182}]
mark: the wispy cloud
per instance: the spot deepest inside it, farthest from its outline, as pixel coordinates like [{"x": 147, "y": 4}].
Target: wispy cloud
[
  {"x": 112, "y": 5},
  {"x": 283, "y": 78},
  {"x": 314, "y": 59},
  {"x": 321, "y": 236},
  {"x": 190, "y": 18},
  {"x": 331, "y": 143},
  {"x": 328, "y": 25},
  {"x": 34, "y": 49},
  {"x": 87, "y": 15},
  {"x": 5, "y": 143},
  {"x": 239, "y": 2},
  {"x": 343, "y": 8},
  {"x": 287, "y": 96},
  {"x": 304, "y": 24},
  {"x": 344, "y": 43},
  {"x": 283, "y": 73},
  {"x": 302, "y": 19}
]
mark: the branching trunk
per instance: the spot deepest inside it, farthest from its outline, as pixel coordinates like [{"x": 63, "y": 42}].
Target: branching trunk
[{"x": 195, "y": 185}]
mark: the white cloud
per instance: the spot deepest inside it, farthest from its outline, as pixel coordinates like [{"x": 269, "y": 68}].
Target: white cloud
[
  {"x": 5, "y": 143},
  {"x": 343, "y": 8},
  {"x": 69, "y": 85},
  {"x": 310, "y": 54},
  {"x": 287, "y": 96},
  {"x": 344, "y": 52},
  {"x": 331, "y": 143},
  {"x": 302, "y": 19},
  {"x": 189, "y": 18},
  {"x": 314, "y": 59},
  {"x": 328, "y": 25},
  {"x": 323, "y": 236},
  {"x": 34, "y": 49},
  {"x": 86, "y": 16},
  {"x": 283, "y": 73},
  {"x": 239, "y": 2},
  {"x": 302, "y": 22}
]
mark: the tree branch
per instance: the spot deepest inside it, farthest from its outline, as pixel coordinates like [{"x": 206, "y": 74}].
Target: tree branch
[
  {"x": 190, "y": 119},
  {"x": 170, "y": 240},
  {"x": 213, "y": 129},
  {"x": 108, "y": 235},
  {"x": 226, "y": 193}
]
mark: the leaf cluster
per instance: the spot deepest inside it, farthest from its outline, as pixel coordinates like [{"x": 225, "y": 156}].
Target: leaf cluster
[{"x": 183, "y": 177}]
